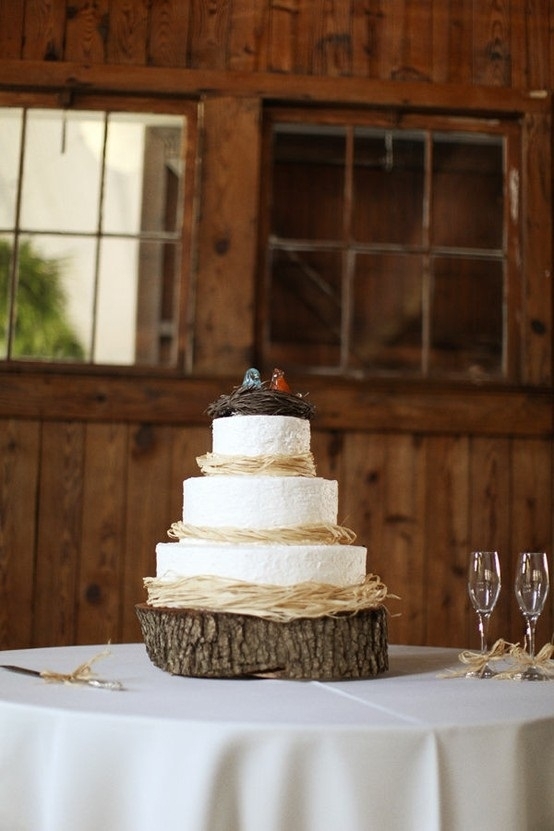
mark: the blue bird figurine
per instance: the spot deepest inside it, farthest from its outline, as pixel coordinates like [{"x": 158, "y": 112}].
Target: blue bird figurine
[{"x": 252, "y": 380}]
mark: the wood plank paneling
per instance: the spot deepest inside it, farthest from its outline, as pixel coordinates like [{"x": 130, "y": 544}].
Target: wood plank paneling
[
  {"x": 491, "y": 43},
  {"x": 86, "y": 30},
  {"x": 44, "y": 31},
  {"x": 19, "y": 453},
  {"x": 332, "y": 47},
  {"x": 11, "y": 28},
  {"x": 102, "y": 533},
  {"x": 127, "y": 32},
  {"x": 59, "y": 518},
  {"x": 531, "y": 516},
  {"x": 537, "y": 254},
  {"x": 92, "y": 464},
  {"x": 168, "y": 33},
  {"x": 446, "y": 540},
  {"x": 224, "y": 291},
  {"x": 149, "y": 465},
  {"x": 209, "y": 33},
  {"x": 283, "y": 35},
  {"x": 489, "y": 524}
]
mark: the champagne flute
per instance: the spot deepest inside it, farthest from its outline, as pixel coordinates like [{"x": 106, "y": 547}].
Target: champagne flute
[
  {"x": 484, "y": 588},
  {"x": 531, "y": 588}
]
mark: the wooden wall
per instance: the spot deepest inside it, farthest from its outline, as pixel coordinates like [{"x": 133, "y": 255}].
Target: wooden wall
[{"x": 92, "y": 462}]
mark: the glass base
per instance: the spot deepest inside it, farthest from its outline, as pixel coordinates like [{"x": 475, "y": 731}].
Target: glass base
[
  {"x": 532, "y": 674},
  {"x": 486, "y": 672}
]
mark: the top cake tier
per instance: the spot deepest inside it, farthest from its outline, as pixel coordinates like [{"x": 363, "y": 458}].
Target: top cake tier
[{"x": 260, "y": 435}]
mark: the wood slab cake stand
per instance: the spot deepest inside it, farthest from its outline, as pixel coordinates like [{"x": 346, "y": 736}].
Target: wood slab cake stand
[{"x": 224, "y": 645}]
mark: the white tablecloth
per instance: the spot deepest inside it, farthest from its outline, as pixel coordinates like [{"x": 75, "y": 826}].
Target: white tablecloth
[{"x": 407, "y": 751}]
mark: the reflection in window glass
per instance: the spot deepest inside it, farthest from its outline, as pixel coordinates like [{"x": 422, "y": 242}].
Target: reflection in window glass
[
  {"x": 468, "y": 191},
  {"x": 467, "y": 316},
  {"x": 62, "y": 171},
  {"x": 53, "y": 308},
  {"x": 387, "y": 312},
  {"x": 308, "y": 183},
  {"x": 306, "y": 303},
  {"x": 387, "y": 185},
  {"x": 6, "y": 267},
  {"x": 114, "y": 340},
  {"x": 406, "y": 228},
  {"x": 98, "y": 192}
]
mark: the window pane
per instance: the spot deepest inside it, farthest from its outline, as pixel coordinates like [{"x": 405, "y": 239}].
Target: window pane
[
  {"x": 54, "y": 298},
  {"x": 387, "y": 312},
  {"x": 10, "y": 147},
  {"x": 467, "y": 191},
  {"x": 308, "y": 182},
  {"x": 6, "y": 265},
  {"x": 467, "y": 316},
  {"x": 388, "y": 182},
  {"x": 305, "y": 305},
  {"x": 157, "y": 303},
  {"x": 117, "y": 297},
  {"x": 62, "y": 171},
  {"x": 144, "y": 172}
]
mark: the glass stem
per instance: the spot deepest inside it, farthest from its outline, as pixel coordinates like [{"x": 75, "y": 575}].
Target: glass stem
[
  {"x": 484, "y": 618},
  {"x": 531, "y": 626}
]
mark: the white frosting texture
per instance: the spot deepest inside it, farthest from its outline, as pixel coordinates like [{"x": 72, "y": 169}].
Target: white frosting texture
[
  {"x": 270, "y": 564},
  {"x": 258, "y": 435},
  {"x": 259, "y": 501}
]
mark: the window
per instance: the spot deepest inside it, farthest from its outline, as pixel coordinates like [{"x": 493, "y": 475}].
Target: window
[
  {"x": 388, "y": 245},
  {"x": 93, "y": 234}
]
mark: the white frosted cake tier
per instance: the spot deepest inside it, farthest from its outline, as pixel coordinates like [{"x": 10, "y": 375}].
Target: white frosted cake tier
[
  {"x": 269, "y": 564},
  {"x": 259, "y": 501},
  {"x": 260, "y": 435}
]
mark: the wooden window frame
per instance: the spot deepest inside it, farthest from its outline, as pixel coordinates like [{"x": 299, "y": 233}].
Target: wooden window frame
[
  {"x": 113, "y": 103},
  {"x": 509, "y": 127}
]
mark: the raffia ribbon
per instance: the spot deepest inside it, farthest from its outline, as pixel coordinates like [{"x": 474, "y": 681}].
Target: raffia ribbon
[
  {"x": 476, "y": 662},
  {"x": 83, "y": 674},
  {"x": 521, "y": 660},
  {"x": 212, "y": 464},
  {"x": 278, "y": 603},
  {"x": 299, "y": 534},
  {"x": 516, "y": 657}
]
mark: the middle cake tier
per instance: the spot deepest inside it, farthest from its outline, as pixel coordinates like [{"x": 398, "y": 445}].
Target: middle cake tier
[
  {"x": 262, "y": 563},
  {"x": 259, "y": 501}
]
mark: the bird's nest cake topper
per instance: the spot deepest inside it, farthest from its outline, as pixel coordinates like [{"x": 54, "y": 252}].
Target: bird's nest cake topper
[{"x": 257, "y": 397}]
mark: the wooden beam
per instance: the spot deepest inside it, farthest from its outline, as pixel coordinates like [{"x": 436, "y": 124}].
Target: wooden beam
[
  {"x": 164, "y": 81},
  {"x": 341, "y": 404}
]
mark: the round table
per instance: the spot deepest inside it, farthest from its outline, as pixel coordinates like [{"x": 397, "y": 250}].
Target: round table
[{"x": 409, "y": 750}]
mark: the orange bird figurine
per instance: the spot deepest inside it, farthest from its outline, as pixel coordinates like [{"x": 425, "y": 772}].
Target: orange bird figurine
[{"x": 278, "y": 381}]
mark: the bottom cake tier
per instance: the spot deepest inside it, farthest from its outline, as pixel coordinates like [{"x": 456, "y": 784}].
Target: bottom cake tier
[{"x": 223, "y": 645}]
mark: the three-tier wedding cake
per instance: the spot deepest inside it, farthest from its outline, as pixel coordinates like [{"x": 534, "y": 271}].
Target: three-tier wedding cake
[{"x": 260, "y": 579}]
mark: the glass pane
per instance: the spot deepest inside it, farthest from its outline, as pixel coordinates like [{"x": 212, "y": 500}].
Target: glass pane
[
  {"x": 144, "y": 173},
  {"x": 158, "y": 304},
  {"x": 305, "y": 305},
  {"x": 308, "y": 182},
  {"x": 10, "y": 146},
  {"x": 468, "y": 191},
  {"x": 62, "y": 171},
  {"x": 387, "y": 312},
  {"x": 117, "y": 298},
  {"x": 6, "y": 265},
  {"x": 467, "y": 316},
  {"x": 388, "y": 187},
  {"x": 54, "y": 298}
]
